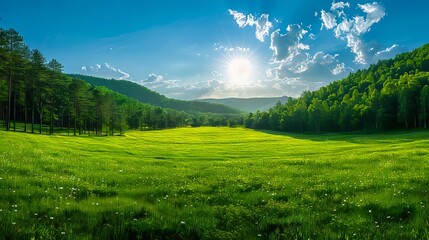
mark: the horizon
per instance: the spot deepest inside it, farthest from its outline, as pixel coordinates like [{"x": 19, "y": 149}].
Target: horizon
[{"x": 219, "y": 49}]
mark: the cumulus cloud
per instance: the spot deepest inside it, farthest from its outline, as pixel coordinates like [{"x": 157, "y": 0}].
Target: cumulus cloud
[
  {"x": 316, "y": 76},
  {"x": 105, "y": 71},
  {"x": 309, "y": 70},
  {"x": 239, "y": 17},
  {"x": 262, "y": 24},
  {"x": 374, "y": 13},
  {"x": 154, "y": 78},
  {"x": 329, "y": 20},
  {"x": 340, "y": 68},
  {"x": 339, "y": 6},
  {"x": 295, "y": 67},
  {"x": 289, "y": 45},
  {"x": 352, "y": 29},
  {"x": 158, "y": 82}
]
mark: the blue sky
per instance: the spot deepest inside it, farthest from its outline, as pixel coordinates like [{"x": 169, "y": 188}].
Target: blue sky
[{"x": 219, "y": 48}]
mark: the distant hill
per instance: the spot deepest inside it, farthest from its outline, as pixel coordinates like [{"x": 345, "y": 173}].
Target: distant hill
[
  {"x": 145, "y": 95},
  {"x": 248, "y": 104}
]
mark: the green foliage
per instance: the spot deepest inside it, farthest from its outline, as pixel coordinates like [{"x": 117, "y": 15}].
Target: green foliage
[
  {"x": 214, "y": 183},
  {"x": 387, "y": 95},
  {"x": 145, "y": 95},
  {"x": 35, "y": 92}
]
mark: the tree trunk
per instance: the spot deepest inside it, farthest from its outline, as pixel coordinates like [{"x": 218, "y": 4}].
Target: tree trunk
[
  {"x": 101, "y": 125},
  {"x": 40, "y": 123},
  {"x": 14, "y": 111},
  {"x": 9, "y": 100},
  {"x": 62, "y": 119},
  {"x": 406, "y": 123},
  {"x": 75, "y": 123},
  {"x": 40, "y": 117},
  {"x": 32, "y": 117},
  {"x": 2, "y": 113},
  {"x": 80, "y": 128},
  {"x": 51, "y": 128},
  {"x": 25, "y": 117},
  {"x": 68, "y": 125}
]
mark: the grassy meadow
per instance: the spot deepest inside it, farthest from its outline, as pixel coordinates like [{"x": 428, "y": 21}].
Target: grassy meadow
[{"x": 214, "y": 183}]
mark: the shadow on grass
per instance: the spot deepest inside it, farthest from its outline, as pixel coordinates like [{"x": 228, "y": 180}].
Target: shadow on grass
[{"x": 359, "y": 137}]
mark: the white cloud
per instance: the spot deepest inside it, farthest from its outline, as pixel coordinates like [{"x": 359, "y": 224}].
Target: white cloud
[
  {"x": 295, "y": 69},
  {"x": 355, "y": 43},
  {"x": 179, "y": 89},
  {"x": 307, "y": 70},
  {"x": 328, "y": 20},
  {"x": 262, "y": 24},
  {"x": 287, "y": 46},
  {"x": 343, "y": 27},
  {"x": 389, "y": 52},
  {"x": 340, "y": 68},
  {"x": 158, "y": 82},
  {"x": 239, "y": 17},
  {"x": 374, "y": 13},
  {"x": 339, "y": 5},
  {"x": 218, "y": 47},
  {"x": 213, "y": 87},
  {"x": 154, "y": 78},
  {"x": 352, "y": 30},
  {"x": 105, "y": 71}
]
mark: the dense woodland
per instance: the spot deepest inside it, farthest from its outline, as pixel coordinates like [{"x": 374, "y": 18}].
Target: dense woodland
[
  {"x": 392, "y": 94},
  {"x": 145, "y": 95},
  {"x": 35, "y": 96}
]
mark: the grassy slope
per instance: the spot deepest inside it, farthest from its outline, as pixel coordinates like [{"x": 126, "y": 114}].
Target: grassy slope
[{"x": 214, "y": 183}]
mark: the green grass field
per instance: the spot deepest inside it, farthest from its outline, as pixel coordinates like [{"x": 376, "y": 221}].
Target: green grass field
[{"x": 214, "y": 183}]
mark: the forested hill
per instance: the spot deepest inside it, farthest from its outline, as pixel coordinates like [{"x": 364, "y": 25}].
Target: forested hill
[
  {"x": 145, "y": 95},
  {"x": 392, "y": 94},
  {"x": 248, "y": 104}
]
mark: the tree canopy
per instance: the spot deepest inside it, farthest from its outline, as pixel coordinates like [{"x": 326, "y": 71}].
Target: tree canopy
[
  {"x": 392, "y": 94},
  {"x": 145, "y": 95}
]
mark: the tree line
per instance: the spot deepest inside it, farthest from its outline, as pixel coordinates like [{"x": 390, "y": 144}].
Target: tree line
[
  {"x": 145, "y": 95},
  {"x": 392, "y": 94},
  {"x": 35, "y": 96}
]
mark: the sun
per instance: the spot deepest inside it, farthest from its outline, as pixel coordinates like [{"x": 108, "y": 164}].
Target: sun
[{"x": 239, "y": 70}]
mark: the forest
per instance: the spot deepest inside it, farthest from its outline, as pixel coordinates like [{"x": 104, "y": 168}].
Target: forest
[
  {"x": 145, "y": 95},
  {"x": 36, "y": 96},
  {"x": 392, "y": 94}
]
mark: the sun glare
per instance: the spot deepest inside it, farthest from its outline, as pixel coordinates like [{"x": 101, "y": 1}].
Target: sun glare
[{"x": 240, "y": 70}]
